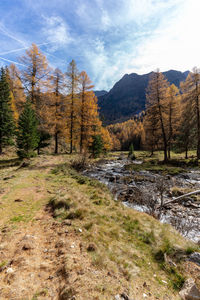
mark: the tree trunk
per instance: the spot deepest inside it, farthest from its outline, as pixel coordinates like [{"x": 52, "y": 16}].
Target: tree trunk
[
  {"x": 162, "y": 127},
  {"x": 198, "y": 127},
  {"x": 82, "y": 122},
  {"x": 1, "y": 150},
  {"x": 186, "y": 152},
  {"x": 72, "y": 119},
  {"x": 177, "y": 199},
  {"x": 165, "y": 153},
  {"x": 152, "y": 151},
  {"x": 56, "y": 143},
  {"x": 169, "y": 151},
  {"x": 71, "y": 134}
]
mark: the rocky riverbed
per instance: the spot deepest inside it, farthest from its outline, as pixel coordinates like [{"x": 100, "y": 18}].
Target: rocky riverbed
[{"x": 143, "y": 190}]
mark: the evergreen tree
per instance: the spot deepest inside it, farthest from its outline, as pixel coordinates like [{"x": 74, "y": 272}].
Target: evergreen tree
[
  {"x": 44, "y": 140},
  {"x": 7, "y": 126},
  {"x": 97, "y": 146},
  {"x": 27, "y": 134}
]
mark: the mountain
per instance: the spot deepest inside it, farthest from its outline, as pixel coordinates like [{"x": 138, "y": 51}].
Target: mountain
[
  {"x": 127, "y": 97},
  {"x": 100, "y": 93}
]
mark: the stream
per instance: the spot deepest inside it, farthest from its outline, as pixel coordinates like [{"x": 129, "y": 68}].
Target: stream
[{"x": 141, "y": 190}]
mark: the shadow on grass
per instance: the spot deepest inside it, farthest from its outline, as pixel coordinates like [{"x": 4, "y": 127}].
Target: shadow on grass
[{"x": 6, "y": 163}]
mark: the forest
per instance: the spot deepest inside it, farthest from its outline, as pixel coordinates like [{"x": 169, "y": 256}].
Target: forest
[
  {"x": 171, "y": 120},
  {"x": 40, "y": 106}
]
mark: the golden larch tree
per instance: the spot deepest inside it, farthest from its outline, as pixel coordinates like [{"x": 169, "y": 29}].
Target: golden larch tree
[
  {"x": 57, "y": 107},
  {"x": 73, "y": 105},
  {"x": 85, "y": 113},
  {"x": 156, "y": 106},
  {"x": 191, "y": 94},
  {"x": 17, "y": 91},
  {"x": 35, "y": 73},
  {"x": 172, "y": 114}
]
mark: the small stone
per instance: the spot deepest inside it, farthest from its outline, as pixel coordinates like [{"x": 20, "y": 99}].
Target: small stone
[
  {"x": 145, "y": 295},
  {"x": 144, "y": 284},
  {"x": 18, "y": 200},
  {"x": 91, "y": 248},
  {"x": 67, "y": 223},
  {"x": 59, "y": 244},
  {"x": 10, "y": 270},
  {"x": 27, "y": 246}
]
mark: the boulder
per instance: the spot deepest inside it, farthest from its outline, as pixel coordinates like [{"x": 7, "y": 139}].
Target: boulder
[
  {"x": 190, "y": 291},
  {"x": 195, "y": 257}
]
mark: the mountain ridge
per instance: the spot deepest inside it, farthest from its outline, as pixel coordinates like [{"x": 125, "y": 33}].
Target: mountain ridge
[{"x": 127, "y": 96}]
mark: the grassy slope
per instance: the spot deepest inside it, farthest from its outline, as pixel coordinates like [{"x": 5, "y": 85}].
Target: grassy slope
[{"x": 129, "y": 245}]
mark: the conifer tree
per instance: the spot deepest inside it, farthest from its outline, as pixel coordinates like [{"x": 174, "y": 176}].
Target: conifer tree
[
  {"x": 35, "y": 73},
  {"x": 96, "y": 146},
  {"x": 44, "y": 140},
  {"x": 17, "y": 90},
  {"x": 56, "y": 108},
  {"x": 27, "y": 133},
  {"x": 7, "y": 126},
  {"x": 86, "y": 86},
  {"x": 191, "y": 93},
  {"x": 185, "y": 137},
  {"x": 106, "y": 139},
  {"x": 172, "y": 114},
  {"x": 156, "y": 104},
  {"x": 73, "y": 89}
]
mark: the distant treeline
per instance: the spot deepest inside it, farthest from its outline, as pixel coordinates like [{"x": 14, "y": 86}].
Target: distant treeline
[{"x": 171, "y": 120}]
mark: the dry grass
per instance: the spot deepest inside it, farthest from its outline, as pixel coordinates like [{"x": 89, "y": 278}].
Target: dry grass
[{"x": 126, "y": 241}]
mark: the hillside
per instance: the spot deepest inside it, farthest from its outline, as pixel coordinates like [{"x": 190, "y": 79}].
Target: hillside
[
  {"x": 127, "y": 97},
  {"x": 64, "y": 237}
]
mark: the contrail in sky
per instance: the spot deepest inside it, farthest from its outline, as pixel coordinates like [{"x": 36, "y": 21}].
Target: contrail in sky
[
  {"x": 24, "y": 48},
  {"x": 11, "y": 61}
]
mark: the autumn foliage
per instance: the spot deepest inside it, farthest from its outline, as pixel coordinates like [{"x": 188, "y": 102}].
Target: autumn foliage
[{"x": 64, "y": 104}]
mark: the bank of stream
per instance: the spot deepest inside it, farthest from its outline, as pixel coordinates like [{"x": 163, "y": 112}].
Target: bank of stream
[{"x": 142, "y": 190}]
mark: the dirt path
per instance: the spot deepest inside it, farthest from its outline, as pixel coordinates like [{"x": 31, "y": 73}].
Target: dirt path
[
  {"x": 41, "y": 261},
  {"x": 41, "y": 258}
]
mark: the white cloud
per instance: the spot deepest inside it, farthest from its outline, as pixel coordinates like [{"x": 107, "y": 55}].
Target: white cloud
[
  {"x": 175, "y": 45},
  {"x": 111, "y": 38},
  {"x": 56, "y": 31}
]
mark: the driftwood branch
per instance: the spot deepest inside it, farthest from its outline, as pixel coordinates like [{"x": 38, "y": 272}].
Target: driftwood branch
[{"x": 177, "y": 199}]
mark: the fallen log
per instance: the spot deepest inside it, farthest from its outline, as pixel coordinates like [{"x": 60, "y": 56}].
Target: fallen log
[{"x": 177, "y": 199}]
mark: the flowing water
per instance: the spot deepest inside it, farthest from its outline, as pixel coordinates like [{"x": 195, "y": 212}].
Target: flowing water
[{"x": 142, "y": 194}]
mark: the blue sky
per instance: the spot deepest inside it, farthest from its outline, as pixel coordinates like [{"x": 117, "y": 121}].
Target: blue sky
[{"x": 107, "y": 38}]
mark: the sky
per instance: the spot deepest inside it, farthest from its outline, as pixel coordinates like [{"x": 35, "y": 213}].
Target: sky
[{"x": 106, "y": 38}]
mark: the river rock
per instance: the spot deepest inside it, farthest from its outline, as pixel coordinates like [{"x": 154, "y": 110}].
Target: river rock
[
  {"x": 122, "y": 296},
  {"x": 190, "y": 291},
  {"x": 195, "y": 257}
]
